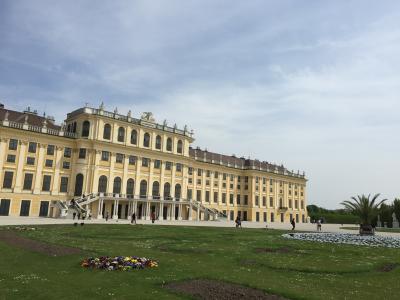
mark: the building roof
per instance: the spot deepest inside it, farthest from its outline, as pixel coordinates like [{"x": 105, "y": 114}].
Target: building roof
[
  {"x": 239, "y": 162},
  {"x": 31, "y": 118}
]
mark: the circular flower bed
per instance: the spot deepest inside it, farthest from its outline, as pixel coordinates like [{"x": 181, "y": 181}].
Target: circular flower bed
[
  {"x": 347, "y": 238},
  {"x": 118, "y": 263}
]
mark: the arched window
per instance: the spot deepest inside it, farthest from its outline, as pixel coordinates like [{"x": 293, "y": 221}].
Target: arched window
[
  {"x": 143, "y": 189},
  {"x": 146, "y": 140},
  {"x": 167, "y": 191},
  {"x": 107, "y": 132},
  {"x": 169, "y": 144},
  {"x": 121, "y": 134},
  {"x": 179, "y": 147},
  {"x": 158, "y": 142},
  {"x": 133, "y": 137},
  {"x": 85, "y": 128},
  {"x": 177, "y": 191},
  {"x": 130, "y": 186},
  {"x": 117, "y": 185},
  {"x": 78, "y": 185},
  {"x": 102, "y": 184},
  {"x": 156, "y": 190},
  {"x": 74, "y": 127}
]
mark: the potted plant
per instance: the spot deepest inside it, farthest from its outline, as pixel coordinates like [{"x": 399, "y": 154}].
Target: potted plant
[{"x": 366, "y": 209}]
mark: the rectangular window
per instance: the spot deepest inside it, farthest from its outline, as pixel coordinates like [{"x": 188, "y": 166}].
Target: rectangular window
[
  {"x": 238, "y": 199},
  {"x": 190, "y": 180},
  {"x": 67, "y": 152},
  {"x": 145, "y": 162},
  {"x": 224, "y": 185},
  {"x": 257, "y": 201},
  {"x": 82, "y": 153},
  {"x": 8, "y": 179},
  {"x": 199, "y": 172},
  {"x": 272, "y": 217},
  {"x": 271, "y": 190},
  {"x": 105, "y": 155},
  {"x": 238, "y": 187},
  {"x": 264, "y": 201},
  {"x": 28, "y": 181},
  {"x": 157, "y": 164},
  {"x": 208, "y": 173},
  {"x": 30, "y": 161},
  {"x": 296, "y": 204},
  {"x": 132, "y": 159},
  {"x": 271, "y": 201},
  {"x": 215, "y": 197},
  {"x": 64, "y": 185},
  {"x": 4, "y": 207},
  {"x": 32, "y": 147},
  {"x": 224, "y": 176},
  {"x": 246, "y": 187},
  {"x": 231, "y": 199},
  {"x": 207, "y": 196},
  {"x": 198, "y": 195},
  {"x": 216, "y": 175},
  {"x": 257, "y": 216},
  {"x": 49, "y": 163},
  {"x": 198, "y": 181},
  {"x": 265, "y": 217},
  {"x": 168, "y": 165},
  {"x": 66, "y": 164},
  {"x": 179, "y": 167},
  {"x": 246, "y": 199},
  {"x": 46, "y": 183},
  {"x": 119, "y": 157},
  {"x": 271, "y": 181},
  {"x": 11, "y": 158},
  {"x": 13, "y": 144},
  {"x": 264, "y": 180},
  {"x": 50, "y": 149},
  {"x": 246, "y": 179},
  {"x": 25, "y": 207},
  {"x": 207, "y": 182},
  {"x": 223, "y": 197},
  {"x": 190, "y": 171},
  {"x": 190, "y": 194}
]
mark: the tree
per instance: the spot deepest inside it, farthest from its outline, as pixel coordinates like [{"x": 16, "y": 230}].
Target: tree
[
  {"x": 396, "y": 208},
  {"x": 364, "y": 207}
]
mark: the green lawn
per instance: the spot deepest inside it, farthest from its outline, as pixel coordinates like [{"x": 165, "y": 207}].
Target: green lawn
[
  {"x": 380, "y": 229},
  {"x": 309, "y": 271}
]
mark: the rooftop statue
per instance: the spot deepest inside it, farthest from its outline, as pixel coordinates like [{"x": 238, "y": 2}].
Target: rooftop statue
[{"x": 147, "y": 116}]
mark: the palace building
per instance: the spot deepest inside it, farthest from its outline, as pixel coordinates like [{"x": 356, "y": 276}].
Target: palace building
[{"x": 104, "y": 163}]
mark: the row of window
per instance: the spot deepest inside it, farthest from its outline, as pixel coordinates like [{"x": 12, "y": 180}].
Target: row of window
[
  {"x": 31, "y": 161},
  {"x": 121, "y": 137},
  {"x": 28, "y": 181},
  {"x": 32, "y": 147},
  {"x": 119, "y": 158},
  {"x": 24, "y": 208}
]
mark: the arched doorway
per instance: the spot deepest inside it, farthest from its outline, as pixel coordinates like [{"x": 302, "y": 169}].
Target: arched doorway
[
  {"x": 78, "y": 185},
  {"x": 130, "y": 185},
  {"x": 143, "y": 189},
  {"x": 167, "y": 191},
  {"x": 102, "y": 184},
  {"x": 156, "y": 190},
  {"x": 117, "y": 185}
]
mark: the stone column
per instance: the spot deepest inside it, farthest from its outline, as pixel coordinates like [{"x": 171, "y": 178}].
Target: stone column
[
  {"x": 56, "y": 179},
  {"x": 39, "y": 169},
  {"x": 3, "y": 147},
  {"x": 190, "y": 212},
  {"x": 100, "y": 208}
]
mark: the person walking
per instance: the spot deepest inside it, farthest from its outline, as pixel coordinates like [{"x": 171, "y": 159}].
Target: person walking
[
  {"x": 238, "y": 222},
  {"x": 106, "y": 216},
  {"x": 133, "y": 218},
  {"x": 293, "y": 222},
  {"x": 319, "y": 226},
  {"x": 74, "y": 216},
  {"x": 79, "y": 215},
  {"x": 153, "y": 217}
]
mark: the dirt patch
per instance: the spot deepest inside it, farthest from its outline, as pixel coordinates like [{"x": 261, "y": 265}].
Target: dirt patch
[
  {"x": 274, "y": 250},
  {"x": 12, "y": 239},
  {"x": 213, "y": 289},
  {"x": 388, "y": 267}
]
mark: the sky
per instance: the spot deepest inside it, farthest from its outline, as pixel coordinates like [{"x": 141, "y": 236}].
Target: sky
[{"x": 313, "y": 85}]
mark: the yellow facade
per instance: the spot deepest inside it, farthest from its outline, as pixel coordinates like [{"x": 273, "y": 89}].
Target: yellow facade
[{"x": 122, "y": 165}]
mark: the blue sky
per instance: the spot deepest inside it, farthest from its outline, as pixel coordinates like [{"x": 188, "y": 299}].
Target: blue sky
[{"x": 314, "y": 85}]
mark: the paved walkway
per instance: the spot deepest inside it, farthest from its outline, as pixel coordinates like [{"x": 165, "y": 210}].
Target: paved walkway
[{"x": 282, "y": 226}]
